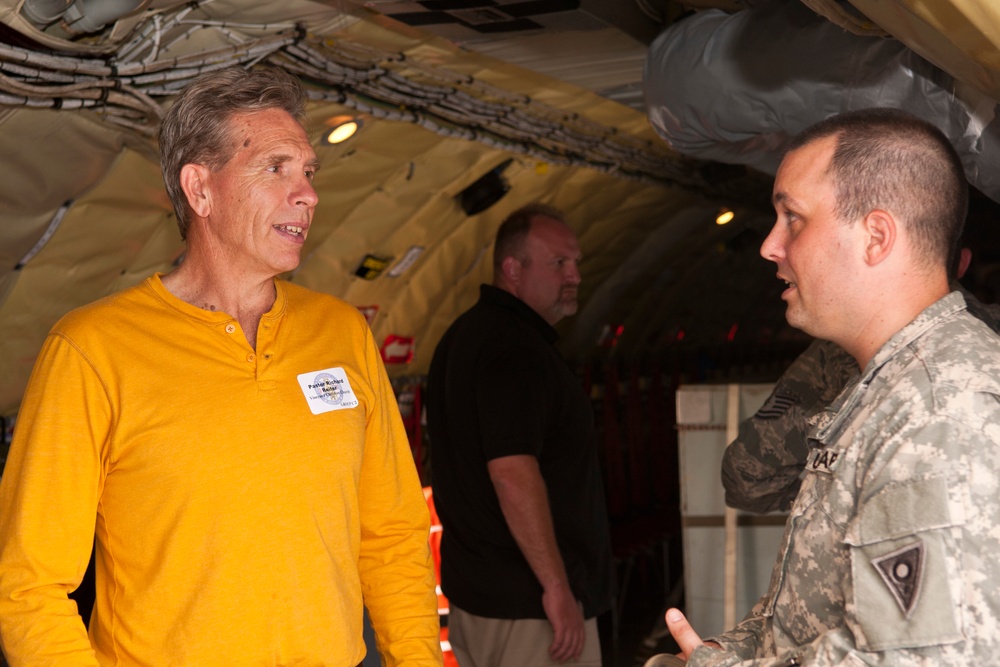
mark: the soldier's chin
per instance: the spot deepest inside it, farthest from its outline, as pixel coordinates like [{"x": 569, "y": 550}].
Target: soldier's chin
[
  {"x": 798, "y": 320},
  {"x": 569, "y": 307}
]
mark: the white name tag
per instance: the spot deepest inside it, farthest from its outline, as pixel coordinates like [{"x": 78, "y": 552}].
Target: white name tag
[{"x": 327, "y": 390}]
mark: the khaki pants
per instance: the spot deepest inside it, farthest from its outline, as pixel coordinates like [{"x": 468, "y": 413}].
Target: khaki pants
[{"x": 503, "y": 642}]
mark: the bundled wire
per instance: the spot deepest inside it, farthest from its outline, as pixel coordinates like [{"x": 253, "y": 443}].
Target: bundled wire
[{"x": 131, "y": 89}]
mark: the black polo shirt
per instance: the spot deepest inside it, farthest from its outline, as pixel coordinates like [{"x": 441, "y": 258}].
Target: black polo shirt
[{"x": 498, "y": 387}]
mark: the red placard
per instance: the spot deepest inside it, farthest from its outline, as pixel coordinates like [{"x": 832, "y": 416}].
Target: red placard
[
  {"x": 369, "y": 312},
  {"x": 397, "y": 349}
]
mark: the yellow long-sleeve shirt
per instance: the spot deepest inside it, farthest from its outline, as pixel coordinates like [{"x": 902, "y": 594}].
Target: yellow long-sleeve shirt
[{"x": 246, "y": 502}]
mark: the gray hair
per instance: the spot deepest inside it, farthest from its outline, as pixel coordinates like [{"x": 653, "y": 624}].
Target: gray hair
[{"x": 197, "y": 128}]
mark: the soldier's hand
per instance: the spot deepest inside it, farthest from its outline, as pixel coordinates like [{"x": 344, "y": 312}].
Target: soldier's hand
[
  {"x": 685, "y": 636},
  {"x": 566, "y": 617}
]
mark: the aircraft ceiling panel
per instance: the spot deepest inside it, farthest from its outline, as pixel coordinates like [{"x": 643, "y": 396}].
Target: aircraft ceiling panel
[{"x": 655, "y": 263}]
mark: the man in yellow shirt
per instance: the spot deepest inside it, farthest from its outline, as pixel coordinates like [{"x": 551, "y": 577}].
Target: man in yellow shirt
[{"x": 232, "y": 438}]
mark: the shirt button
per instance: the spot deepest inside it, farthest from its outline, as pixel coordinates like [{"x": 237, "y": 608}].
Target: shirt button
[
  {"x": 251, "y": 357},
  {"x": 230, "y": 328}
]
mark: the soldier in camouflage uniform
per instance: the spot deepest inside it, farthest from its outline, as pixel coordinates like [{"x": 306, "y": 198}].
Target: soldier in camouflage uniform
[
  {"x": 762, "y": 468},
  {"x": 891, "y": 555}
]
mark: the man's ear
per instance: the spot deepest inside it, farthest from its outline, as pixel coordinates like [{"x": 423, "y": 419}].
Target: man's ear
[
  {"x": 880, "y": 235},
  {"x": 194, "y": 183},
  {"x": 511, "y": 269},
  {"x": 964, "y": 260}
]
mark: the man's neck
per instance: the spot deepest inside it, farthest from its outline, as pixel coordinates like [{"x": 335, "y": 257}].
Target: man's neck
[
  {"x": 207, "y": 285},
  {"x": 885, "y": 321}
]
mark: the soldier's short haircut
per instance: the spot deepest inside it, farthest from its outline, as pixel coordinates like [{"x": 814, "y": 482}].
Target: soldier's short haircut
[
  {"x": 891, "y": 160},
  {"x": 197, "y": 128},
  {"x": 514, "y": 230}
]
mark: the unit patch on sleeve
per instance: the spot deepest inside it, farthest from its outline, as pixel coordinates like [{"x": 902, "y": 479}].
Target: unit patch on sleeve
[
  {"x": 901, "y": 570},
  {"x": 327, "y": 390}
]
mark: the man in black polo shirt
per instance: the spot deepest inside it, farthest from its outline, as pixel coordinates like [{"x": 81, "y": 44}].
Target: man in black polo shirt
[{"x": 526, "y": 557}]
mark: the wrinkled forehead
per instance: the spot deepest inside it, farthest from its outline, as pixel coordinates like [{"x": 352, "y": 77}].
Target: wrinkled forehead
[{"x": 268, "y": 130}]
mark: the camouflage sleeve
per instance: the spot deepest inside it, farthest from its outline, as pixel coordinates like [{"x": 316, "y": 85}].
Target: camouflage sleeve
[
  {"x": 835, "y": 647},
  {"x": 751, "y": 644},
  {"x": 761, "y": 468},
  {"x": 922, "y": 546},
  {"x": 989, "y": 313}
]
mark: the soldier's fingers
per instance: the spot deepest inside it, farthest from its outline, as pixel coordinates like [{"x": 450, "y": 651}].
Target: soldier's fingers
[{"x": 685, "y": 636}]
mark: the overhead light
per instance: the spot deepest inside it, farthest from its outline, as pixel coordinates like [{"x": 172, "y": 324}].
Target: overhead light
[
  {"x": 341, "y": 129},
  {"x": 725, "y": 216}
]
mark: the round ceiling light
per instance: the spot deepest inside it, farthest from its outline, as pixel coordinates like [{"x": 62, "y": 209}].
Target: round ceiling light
[{"x": 341, "y": 129}]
